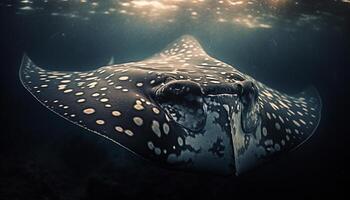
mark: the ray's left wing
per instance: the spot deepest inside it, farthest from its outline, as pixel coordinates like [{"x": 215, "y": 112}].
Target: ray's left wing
[{"x": 102, "y": 101}]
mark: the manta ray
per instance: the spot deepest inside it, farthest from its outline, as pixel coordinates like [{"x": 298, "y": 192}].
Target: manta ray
[{"x": 180, "y": 108}]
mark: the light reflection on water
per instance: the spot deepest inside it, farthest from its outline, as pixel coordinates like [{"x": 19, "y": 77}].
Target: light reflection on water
[{"x": 253, "y": 14}]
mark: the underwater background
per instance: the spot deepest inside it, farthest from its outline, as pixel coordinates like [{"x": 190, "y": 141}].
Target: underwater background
[{"x": 285, "y": 44}]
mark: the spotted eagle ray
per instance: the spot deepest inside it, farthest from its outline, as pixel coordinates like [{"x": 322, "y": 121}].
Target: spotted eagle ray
[{"x": 180, "y": 108}]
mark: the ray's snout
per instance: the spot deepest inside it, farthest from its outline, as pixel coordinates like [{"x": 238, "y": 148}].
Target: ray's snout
[{"x": 248, "y": 94}]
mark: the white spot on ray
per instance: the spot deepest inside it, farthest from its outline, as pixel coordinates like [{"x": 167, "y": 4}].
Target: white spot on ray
[
  {"x": 180, "y": 141},
  {"x": 155, "y": 110},
  {"x": 268, "y": 115},
  {"x": 116, "y": 113},
  {"x": 138, "y": 121},
  {"x": 92, "y": 85},
  {"x": 128, "y": 132},
  {"x": 281, "y": 119},
  {"x": 119, "y": 129},
  {"x": 157, "y": 151},
  {"x": 166, "y": 128},
  {"x": 62, "y": 87},
  {"x": 89, "y": 111},
  {"x": 123, "y": 78},
  {"x": 264, "y": 131},
  {"x": 138, "y": 107},
  {"x": 65, "y": 81},
  {"x": 155, "y": 128},
  {"x": 68, "y": 91},
  {"x": 103, "y": 100},
  {"x": 100, "y": 122},
  {"x": 95, "y": 94},
  {"x": 81, "y": 100},
  {"x": 150, "y": 145},
  {"x": 296, "y": 123},
  {"x": 277, "y": 126}
]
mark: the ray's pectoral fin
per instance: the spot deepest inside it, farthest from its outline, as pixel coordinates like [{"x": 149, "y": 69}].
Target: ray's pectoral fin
[
  {"x": 85, "y": 99},
  {"x": 286, "y": 122},
  {"x": 294, "y": 118},
  {"x": 61, "y": 92}
]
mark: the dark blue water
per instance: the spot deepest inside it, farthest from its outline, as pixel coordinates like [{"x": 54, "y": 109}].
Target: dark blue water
[{"x": 288, "y": 46}]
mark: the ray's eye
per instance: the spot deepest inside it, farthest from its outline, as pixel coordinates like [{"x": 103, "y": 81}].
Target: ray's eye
[
  {"x": 250, "y": 112},
  {"x": 183, "y": 101}
]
